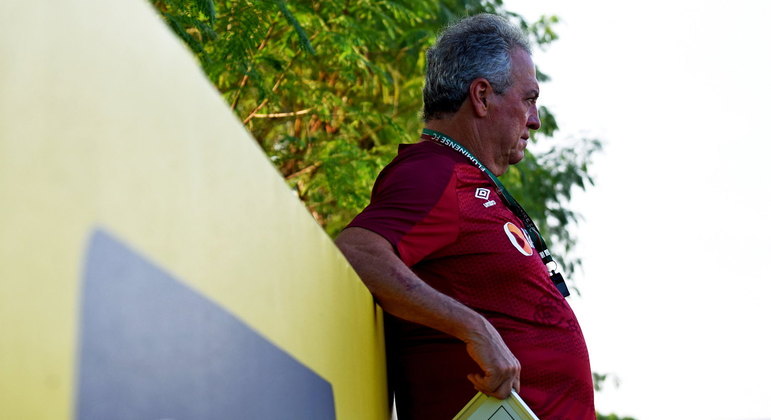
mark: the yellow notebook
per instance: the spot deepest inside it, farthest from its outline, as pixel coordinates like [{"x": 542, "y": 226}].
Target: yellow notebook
[{"x": 482, "y": 407}]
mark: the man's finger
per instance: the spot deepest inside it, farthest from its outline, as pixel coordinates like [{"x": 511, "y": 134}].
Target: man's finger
[
  {"x": 503, "y": 391},
  {"x": 478, "y": 381},
  {"x": 489, "y": 385}
]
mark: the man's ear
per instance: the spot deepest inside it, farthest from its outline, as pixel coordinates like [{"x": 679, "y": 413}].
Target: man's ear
[{"x": 479, "y": 92}]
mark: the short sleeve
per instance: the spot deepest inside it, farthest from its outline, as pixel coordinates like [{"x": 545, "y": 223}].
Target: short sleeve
[{"x": 414, "y": 206}]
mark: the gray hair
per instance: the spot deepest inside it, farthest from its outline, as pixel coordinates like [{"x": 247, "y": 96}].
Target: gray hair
[{"x": 477, "y": 46}]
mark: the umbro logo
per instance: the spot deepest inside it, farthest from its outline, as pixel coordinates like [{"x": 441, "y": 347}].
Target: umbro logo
[{"x": 484, "y": 194}]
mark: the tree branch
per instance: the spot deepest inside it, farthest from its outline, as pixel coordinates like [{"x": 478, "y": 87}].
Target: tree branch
[
  {"x": 240, "y": 88},
  {"x": 277, "y": 114},
  {"x": 259, "y": 107},
  {"x": 260, "y": 48},
  {"x": 304, "y": 170}
]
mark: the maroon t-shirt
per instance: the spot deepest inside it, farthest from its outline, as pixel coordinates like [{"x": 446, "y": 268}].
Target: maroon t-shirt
[{"x": 447, "y": 223}]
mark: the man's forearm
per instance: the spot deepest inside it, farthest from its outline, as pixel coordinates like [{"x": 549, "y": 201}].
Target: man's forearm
[
  {"x": 402, "y": 293},
  {"x": 399, "y": 291}
]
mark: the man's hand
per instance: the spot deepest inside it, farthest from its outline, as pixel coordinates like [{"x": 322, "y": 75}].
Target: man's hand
[{"x": 501, "y": 369}]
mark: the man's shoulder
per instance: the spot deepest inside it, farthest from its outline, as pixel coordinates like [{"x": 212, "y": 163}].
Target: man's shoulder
[
  {"x": 420, "y": 173},
  {"x": 423, "y": 161},
  {"x": 428, "y": 151}
]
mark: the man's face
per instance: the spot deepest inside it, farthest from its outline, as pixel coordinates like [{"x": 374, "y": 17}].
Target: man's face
[{"x": 513, "y": 114}]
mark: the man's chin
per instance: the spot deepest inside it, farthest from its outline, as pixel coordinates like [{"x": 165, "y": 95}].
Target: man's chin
[{"x": 515, "y": 158}]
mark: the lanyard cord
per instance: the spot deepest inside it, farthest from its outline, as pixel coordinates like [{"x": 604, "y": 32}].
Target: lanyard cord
[{"x": 511, "y": 203}]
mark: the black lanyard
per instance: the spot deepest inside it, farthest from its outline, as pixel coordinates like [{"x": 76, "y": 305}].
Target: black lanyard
[{"x": 511, "y": 203}]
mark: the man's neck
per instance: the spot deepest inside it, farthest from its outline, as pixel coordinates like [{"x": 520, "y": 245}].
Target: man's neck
[
  {"x": 461, "y": 133},
  {"x": 467, "y": 135}
]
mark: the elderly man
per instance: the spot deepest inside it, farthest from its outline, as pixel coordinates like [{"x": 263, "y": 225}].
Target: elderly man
[{"x": 451, "y": 256}]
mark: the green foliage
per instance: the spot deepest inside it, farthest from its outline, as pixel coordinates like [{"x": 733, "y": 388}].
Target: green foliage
[
  {"x": 599, "y": 382},
  {"x": 612, "y": 417},
  {"x": 328, "y": 89}
]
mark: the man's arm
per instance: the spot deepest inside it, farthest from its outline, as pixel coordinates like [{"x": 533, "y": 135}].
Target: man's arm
[{"x": 403, "y": 294}]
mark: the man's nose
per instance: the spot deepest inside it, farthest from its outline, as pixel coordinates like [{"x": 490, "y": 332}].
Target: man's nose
[{"x": 533, "y": 122}]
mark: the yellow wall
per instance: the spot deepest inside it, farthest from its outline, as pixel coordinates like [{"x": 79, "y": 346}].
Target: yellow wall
[{"x": 107, "y": 122}]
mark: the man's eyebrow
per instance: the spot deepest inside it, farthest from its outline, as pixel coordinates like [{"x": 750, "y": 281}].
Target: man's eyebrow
[{"x": 533, "y": 92}]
